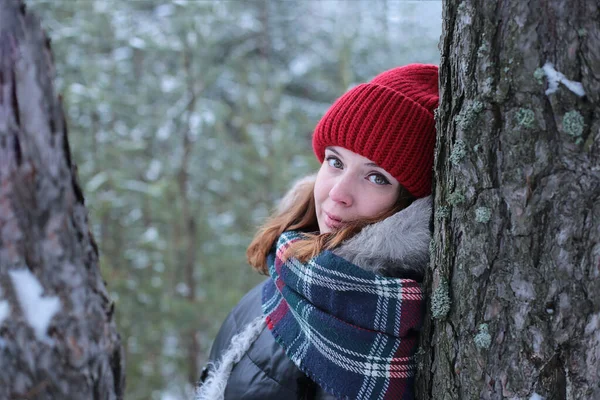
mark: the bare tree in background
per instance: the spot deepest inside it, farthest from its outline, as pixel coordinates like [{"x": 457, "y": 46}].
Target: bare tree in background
[
  {"x": 58, "y": 339},
  {"x": 515, "y": 299}
]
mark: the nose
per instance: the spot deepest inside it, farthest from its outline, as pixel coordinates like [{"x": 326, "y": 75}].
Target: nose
[{"x": 341, "y": 191}]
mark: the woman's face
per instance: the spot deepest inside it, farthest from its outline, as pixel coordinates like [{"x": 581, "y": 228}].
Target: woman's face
[{"x": 350, "y": 187}]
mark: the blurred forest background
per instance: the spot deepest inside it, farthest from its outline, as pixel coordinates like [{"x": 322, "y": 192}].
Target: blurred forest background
[{"x": 188, "y": 120}]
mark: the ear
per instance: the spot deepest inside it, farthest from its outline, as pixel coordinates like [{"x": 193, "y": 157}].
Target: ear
[{"x": 292, "y": 194}]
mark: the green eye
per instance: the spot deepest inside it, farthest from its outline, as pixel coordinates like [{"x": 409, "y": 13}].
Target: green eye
[
  {"x": 334, "y": 162},
  {"x": 378, "y": 179}
]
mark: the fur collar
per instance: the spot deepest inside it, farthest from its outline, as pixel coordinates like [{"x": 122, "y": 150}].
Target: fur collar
[{"x": 396, "y": 247}]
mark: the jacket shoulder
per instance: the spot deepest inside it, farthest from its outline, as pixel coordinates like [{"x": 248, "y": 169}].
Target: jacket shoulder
[{"x": 264, "y": 371}]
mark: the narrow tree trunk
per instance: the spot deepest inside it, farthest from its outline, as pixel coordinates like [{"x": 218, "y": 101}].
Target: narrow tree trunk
[
  {"x": 188, "y": 221},
  {"x": 58, "y": 339},
  {"x": 516, "y": 249}
]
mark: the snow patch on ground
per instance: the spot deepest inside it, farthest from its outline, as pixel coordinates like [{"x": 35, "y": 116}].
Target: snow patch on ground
[
  {"x": 555, "y": 77},
  {"x": 38, "y": 310},
  {"x": 536, "y": 396}
]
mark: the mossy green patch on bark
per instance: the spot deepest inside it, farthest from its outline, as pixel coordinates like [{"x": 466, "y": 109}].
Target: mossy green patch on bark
[
  {"x": 483, "y": 339},
  {"x": 468, "y": 115},
  {"x": 440, "y": 300},
  {"x": 432, "y": 248},
  {"x": 459, "y": 151},
  {"x": 525, "y": 118},
  {"x": 483, "y": 215},
  {"x": 442, "y": 212},
  {"x": 455, "y": 198},
  {"x": 573, "y": 125}
]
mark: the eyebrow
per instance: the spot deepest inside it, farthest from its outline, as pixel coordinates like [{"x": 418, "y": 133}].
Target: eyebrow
[{"x": 369, "y": 164}]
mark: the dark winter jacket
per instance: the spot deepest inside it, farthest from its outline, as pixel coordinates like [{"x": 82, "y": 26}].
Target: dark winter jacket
[
  {"x": 264, "y": 372},
  {"x": 397, "y": 246}
]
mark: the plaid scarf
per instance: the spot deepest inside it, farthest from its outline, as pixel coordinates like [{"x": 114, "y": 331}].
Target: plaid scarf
[{"x": 350, "y": 330}]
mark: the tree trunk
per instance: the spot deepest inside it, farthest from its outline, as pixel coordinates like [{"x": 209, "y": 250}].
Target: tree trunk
[
  {"x": 515, "y": 289},
  {"x": 58, "y": 339},
  {"x": 188, "y": 221}
]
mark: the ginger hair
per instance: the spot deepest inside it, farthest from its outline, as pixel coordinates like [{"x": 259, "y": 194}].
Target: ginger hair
[{"x": 302, "y": 216}]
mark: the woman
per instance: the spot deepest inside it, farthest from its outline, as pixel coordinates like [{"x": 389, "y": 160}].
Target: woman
[{"x": 345, "y": 253}]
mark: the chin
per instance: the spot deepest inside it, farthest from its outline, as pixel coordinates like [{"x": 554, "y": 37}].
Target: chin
[{"x": 323, "y": 228}]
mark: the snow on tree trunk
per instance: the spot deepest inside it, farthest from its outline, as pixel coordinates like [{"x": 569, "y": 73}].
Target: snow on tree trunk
[
  {"x": 58, "y": 339},
  {"x": 515, "y": 271}
]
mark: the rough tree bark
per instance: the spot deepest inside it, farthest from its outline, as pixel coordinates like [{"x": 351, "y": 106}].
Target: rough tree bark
[
  {"x": 58, "y": 339},
  {"x": 515, "y": 273}
]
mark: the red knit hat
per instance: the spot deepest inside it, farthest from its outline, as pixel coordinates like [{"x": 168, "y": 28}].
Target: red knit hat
[{"x": 389, "y": 121}]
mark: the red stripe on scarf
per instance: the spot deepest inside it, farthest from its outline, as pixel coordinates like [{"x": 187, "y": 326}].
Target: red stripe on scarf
[{"x": 278, "y": 313}]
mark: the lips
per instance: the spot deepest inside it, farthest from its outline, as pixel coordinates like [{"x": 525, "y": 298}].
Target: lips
[{"x": 333, "y": 221}]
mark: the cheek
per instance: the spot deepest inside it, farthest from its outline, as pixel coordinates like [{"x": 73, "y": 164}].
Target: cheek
[{"x": 378, "y": 203}]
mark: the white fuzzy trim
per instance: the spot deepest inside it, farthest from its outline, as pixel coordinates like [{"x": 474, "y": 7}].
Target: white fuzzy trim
[{"x": 214, "y": 386}]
